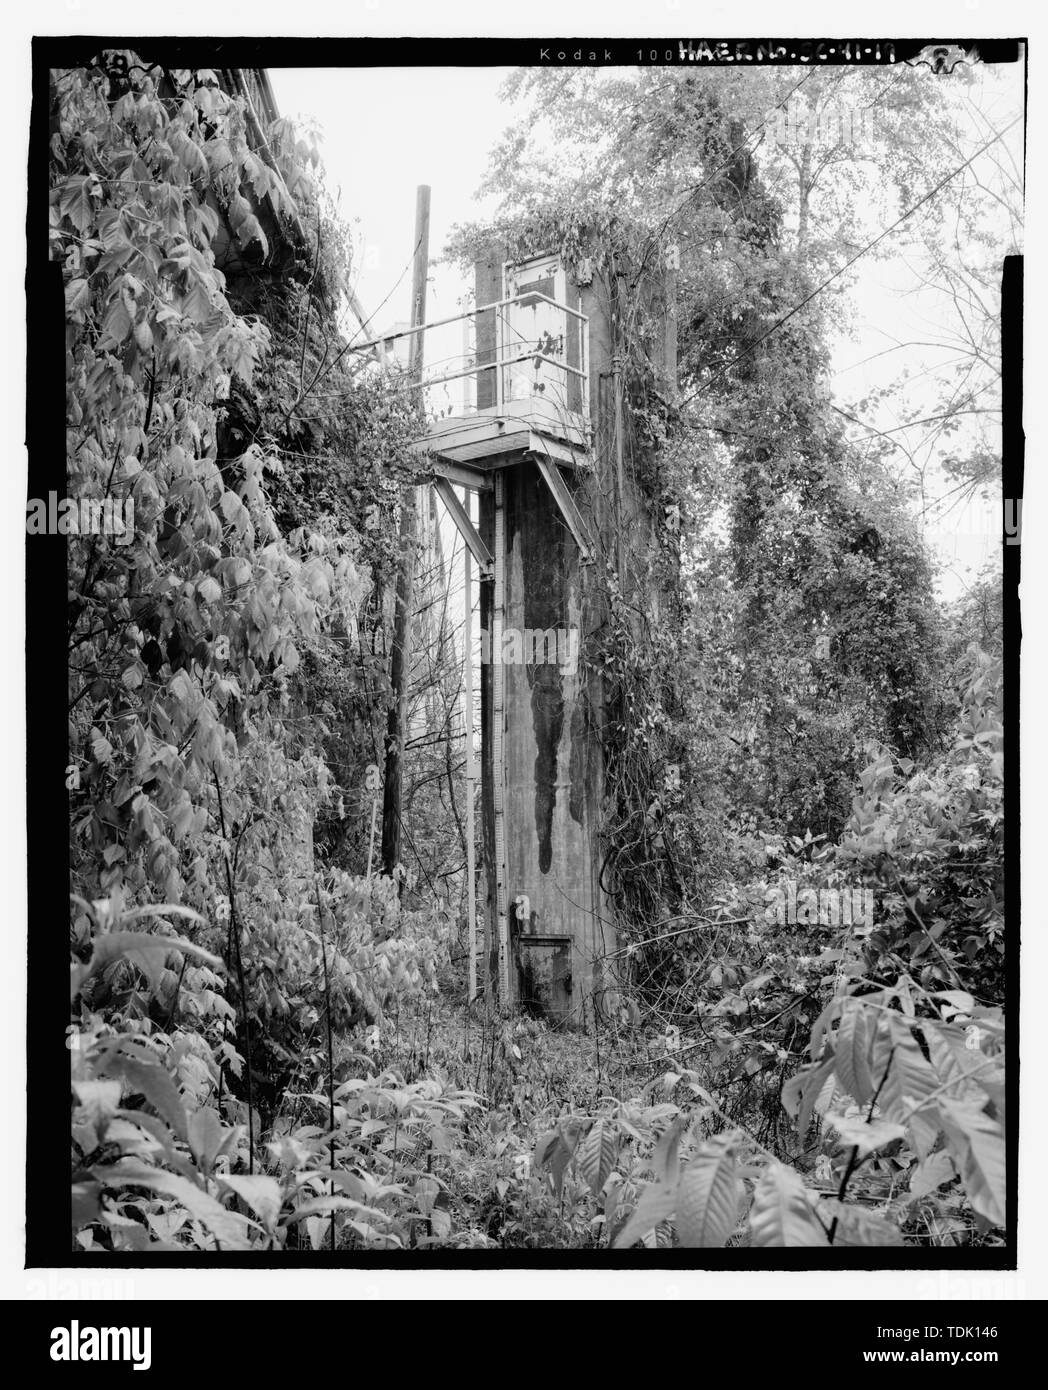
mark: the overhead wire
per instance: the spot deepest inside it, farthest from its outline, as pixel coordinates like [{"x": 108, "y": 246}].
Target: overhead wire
[{"x": 785, "y": 318}]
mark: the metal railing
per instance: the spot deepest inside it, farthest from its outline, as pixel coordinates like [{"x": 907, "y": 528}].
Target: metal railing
[{"x": 502, "y": 355}]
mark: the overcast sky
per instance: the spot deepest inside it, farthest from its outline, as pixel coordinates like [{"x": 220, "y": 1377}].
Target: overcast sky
[{"x": 386, "y": 130}]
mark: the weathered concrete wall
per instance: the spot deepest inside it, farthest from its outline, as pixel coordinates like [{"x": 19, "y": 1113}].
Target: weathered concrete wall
[
  {"x": 553, "y": 766},
  {"x": 552, "y": 759},
  {"x": 488, "y": 291}
]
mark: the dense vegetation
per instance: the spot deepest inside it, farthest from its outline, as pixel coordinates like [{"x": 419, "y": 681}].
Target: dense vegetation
[{"x": 271, "y": 1046}]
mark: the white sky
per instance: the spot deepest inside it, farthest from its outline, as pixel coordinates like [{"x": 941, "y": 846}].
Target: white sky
[
  {"x": 387, "y": 130},
  {"x": 392, "y": 17}
]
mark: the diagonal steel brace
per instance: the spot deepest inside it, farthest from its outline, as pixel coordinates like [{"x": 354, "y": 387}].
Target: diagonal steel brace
[
  {"x": 566, "y": 505},
  {"x": 466, "y": 529}
]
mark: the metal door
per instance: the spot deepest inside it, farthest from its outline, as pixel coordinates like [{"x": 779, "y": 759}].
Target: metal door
[
  {"x": 534, "y": 337},
  {"x": 544, "y": 983}
]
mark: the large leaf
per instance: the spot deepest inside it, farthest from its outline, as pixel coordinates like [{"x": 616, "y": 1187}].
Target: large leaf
[
  {"x": 152, "y": 1080},
  {"x": 144, "y": 949},
  {"x": 780, "y": 1214},
  {"x": 908, "y": 1082},
  {"x": 866, "y": 1135},
  {"x": 977, "y": 1144},
  {"x": 77, "y": 295},
  {"x": 553, "y": 1154},
  {"x": 175, "y": 1158},
  {"x": 708, "y": 1197},
  {"x": 966, "y": 1072},
  {"x": 858, "y": 1227},
  {"x": 206, "y": 1136},
  {"x": 165, "y": 910},
  {"x": 323, "y": 1206},
  {"x": 87, "y": 1207},
  {"x": 544, "y": 1149},
  {"x": 809, "y": 1090},
  {"x": 262, "y": 1194},
  {"x": 819, "y": 1027},
  {"x": 251, "y": 230},
  {"x": 851, "y": 1049},
  {"x": 554, "y": 1150},
  {"x": 100, "y": 1100},
  {"x": 664, "y": 1160},
  {"x": 117, "y": 325},
  {"x": 596, "y": 1155},
  {"x": 75, "y": 202},
  {"x": 932, "y": 1173},
  {"x": 226, "y": 1226},
  {"x": 657, "y": 1202}
]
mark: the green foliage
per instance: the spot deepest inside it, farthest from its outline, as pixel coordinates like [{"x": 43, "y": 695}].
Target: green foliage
[
  {"x": 912, "y": 1117},
  {"x": 260, "y": 1056},
  {"x": 199, "y": 749},
  {"x": 154, "y": 1029},
  {"x": 368, "y": 1181},
  {"x": 782, "y": 618},
  {"x": 935, "y": 837},
  {"x": 183, "y": 638},
  {"x": 921, "y": 1075}
]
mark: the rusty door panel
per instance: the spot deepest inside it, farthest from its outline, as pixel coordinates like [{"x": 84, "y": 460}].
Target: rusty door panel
[{"x": 544, "y": 976}]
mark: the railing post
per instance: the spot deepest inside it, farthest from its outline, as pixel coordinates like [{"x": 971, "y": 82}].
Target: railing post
[
  {"x": 584, "y": 364},
  {"x": 499, "y": 394}
]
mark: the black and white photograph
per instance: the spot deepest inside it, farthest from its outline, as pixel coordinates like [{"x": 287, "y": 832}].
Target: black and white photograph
[{"x": 522, "y": 641}]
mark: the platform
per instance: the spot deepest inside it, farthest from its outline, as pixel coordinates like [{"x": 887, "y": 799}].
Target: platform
[{"x": 488, "y": 439}]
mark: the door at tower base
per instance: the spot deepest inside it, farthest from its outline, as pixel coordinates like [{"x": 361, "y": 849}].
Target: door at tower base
[
  {"x": 544, "y": 976},
  {"x": 550, "y": 774}
]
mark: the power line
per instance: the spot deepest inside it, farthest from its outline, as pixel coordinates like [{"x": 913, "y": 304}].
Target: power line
[
  {"x": 752, "y": 347},
  {"x": 745, "y": 146},
  {"x": 324, "y": 371}
]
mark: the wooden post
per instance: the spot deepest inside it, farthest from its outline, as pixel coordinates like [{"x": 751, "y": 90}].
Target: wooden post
[
  {"x": 371, "y": 838},
  {"x": 400, "y": 665},
  {"x": 471, "y": 772},
  {"x": 618, "y": 338},
  {"x": 498, "y": 740},
  {"x": 669, "y": 333},
  {"x": 620, "y": 483}
]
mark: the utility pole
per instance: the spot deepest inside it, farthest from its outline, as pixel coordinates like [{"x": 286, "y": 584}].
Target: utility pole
[
  {"x": 471, "y": 775},
  {"x": 669, "y": 332},
  {"x": 617, "y": 344},
  {"x": 400, "y": 665},
  {"x": 620, "y": 483}
]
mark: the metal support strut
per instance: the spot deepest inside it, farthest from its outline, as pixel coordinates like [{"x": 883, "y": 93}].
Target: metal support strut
[
  {"x": 498, "y": 770},
  {"x": 466, "y": 529},
  {"x": 565, "y": 505}
]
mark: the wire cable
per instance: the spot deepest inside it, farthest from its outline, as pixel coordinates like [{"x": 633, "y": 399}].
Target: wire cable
[{"x": 752, "y": 347}]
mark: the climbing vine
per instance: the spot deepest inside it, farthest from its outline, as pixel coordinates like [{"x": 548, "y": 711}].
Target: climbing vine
[
  {"x": 197, "y": 753},
  {"x": 259, "y": 1056}
]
